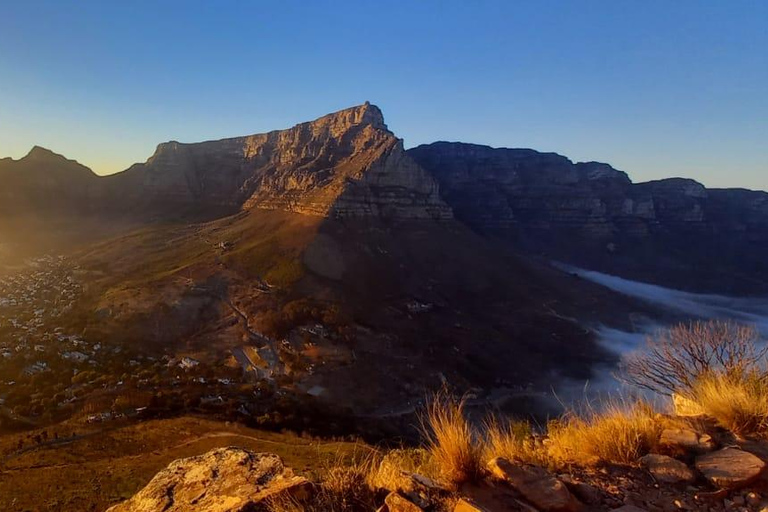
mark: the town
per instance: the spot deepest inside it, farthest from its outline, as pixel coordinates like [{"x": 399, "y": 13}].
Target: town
[{"x": 52, "y": 369}]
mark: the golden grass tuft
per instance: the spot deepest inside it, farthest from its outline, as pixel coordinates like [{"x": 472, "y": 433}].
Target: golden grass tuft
[
  {"x": 512, "y": 440},
  {"x": 738, "y": 402},
  {"x": 451, "y": 441},
  {"x": 344, "y": 487},
  {"x": 619, "y": 433},
  {"x": 387, "y": 475}
]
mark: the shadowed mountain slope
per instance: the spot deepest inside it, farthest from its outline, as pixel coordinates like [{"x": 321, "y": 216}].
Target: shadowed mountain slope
[
  {"x": 44, "y": 182},
  {"x": 674, "y": 232}
]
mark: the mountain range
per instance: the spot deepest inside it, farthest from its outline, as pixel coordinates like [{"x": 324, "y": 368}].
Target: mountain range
[
  {"x": 438, "y": 257},
  {"x": 348, "y": 164}
]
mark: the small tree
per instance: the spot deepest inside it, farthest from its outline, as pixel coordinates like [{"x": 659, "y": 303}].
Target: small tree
[{"x": 675, "y": 359}]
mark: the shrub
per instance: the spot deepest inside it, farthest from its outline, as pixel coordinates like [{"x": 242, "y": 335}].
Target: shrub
[
  {"x": 675, "y": 359},
  {"x": 451, "y": 440},
  {"x": 620, "y": 433},
  {"x": 739, "y": 402}
]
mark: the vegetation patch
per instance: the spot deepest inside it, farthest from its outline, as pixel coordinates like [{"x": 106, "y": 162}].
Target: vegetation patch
[
  {"x": 452, "y": 441},
  {"x": 618, "y": 433}
]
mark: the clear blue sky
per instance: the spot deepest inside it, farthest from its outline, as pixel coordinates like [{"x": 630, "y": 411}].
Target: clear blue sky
[{"x": 656, "y": 88}]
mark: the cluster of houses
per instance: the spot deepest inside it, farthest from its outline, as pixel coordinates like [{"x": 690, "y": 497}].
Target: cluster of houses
[{"x": 31, "y": 302}]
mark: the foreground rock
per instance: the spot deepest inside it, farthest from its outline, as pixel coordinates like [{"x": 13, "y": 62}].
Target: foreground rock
[
  {"x": 730, "y": 468},
  {"x": 417, "y": 488},
  {"x": 666, "y": 469},
  {"x": 680, "y": 442},
  {"x": 536, "y": 485},
  {"x": 222, "y": 480},
  {"x": 396, "y": 502}
]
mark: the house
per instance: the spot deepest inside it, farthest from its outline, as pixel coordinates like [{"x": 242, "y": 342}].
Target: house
[{"x": 188, "y": 362}]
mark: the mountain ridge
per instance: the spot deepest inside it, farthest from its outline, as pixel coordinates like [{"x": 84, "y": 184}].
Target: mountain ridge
[{"x": 349, "y": 164}]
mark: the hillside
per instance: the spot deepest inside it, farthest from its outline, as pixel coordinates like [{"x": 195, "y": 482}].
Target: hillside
[
  {"x": 386, "y": 298},
  {"x": 77, "y": 467}
]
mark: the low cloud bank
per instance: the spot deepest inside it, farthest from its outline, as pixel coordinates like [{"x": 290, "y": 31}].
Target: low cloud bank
[
  {"x": 744, "y": 310},
  {"x": 752, "y": 311}
]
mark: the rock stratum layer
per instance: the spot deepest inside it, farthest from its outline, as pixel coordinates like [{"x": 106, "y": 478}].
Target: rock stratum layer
[{"x": 499, "y": 187}]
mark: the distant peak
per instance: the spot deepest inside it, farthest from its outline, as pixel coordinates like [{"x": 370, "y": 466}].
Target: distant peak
[
  {"x": 373, "y": 115},
  {"x": 38, "y": 153},
  {"x": 365, "y": 114}
]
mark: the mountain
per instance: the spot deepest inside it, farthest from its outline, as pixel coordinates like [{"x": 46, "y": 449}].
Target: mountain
[
  {"x": 343, "y": 164},
  {"x": 330, "y": 262},
  {"x": 674, "y": 232},
  {"x": 43, "y": 182}
]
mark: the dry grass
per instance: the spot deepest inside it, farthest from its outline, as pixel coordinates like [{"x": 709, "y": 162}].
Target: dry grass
[
  {"x": 345, "y": 487},
  {"x": 412, "y": 460},
  {"x": 738, "y": 402},
  {"x": 512, "y": 440},
  {"x": 451, "y": 441},
  {"x": 619, "y": 433}
]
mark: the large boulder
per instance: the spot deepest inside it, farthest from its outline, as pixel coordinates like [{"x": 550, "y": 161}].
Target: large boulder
[
  {"x": 682, "y": 442},
  {"x": 221, "y": 480},
  {"x": 730, "y": 468},
  {"x": 536, "y": 485},
  {"x": 666, "y": 469}
]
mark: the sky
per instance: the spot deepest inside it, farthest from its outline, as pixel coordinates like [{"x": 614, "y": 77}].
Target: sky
[{"x": 655, "y": 88}]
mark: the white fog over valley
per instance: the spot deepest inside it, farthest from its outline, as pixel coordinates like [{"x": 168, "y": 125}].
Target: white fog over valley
[{"x": 745, "y": 310}]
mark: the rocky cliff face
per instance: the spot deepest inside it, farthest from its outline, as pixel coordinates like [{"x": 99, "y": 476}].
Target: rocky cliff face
[
  {"x": 593, "y": 215},
  {"x": 343, "y": 164}
]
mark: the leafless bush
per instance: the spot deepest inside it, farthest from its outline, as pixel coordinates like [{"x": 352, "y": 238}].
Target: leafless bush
[{"x": 674, "y": 360}]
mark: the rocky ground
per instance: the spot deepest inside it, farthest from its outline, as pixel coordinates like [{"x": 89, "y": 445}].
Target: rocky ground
[{"x": 703, "y": 469}]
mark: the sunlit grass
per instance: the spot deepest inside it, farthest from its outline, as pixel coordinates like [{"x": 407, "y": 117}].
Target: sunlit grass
[
  {"x": 452, "y": 441},
  {"x": 738, "y": 402},
  {"x": 512, "y": 440},
  {"x": 617, "y": 433}
]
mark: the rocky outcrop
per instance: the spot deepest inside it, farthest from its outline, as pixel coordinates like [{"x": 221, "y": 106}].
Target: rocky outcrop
[
  {"x": 491, "y": 188},
  {"x": 222, "y": 480}
]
